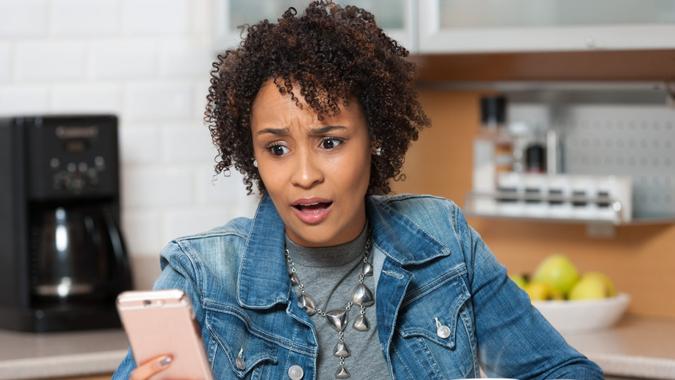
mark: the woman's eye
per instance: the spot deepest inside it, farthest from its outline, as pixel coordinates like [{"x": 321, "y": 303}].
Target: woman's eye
[
  {"x": 330, "y": 143},
  {"x": 278, "y": 150}
]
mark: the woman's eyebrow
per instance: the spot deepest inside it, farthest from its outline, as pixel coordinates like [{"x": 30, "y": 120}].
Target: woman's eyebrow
[
  {"x": 313, "y": 131},
  {"x": 274, "y": 131},
  {"x": 325, "y": 129}
]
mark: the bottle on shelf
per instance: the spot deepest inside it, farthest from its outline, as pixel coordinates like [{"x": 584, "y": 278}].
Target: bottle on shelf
[{"x": 493, "y": 149}]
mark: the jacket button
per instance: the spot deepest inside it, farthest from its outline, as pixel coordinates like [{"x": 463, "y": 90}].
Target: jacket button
[
  {"x": 295, "y": 372},
  {"x": 442, "y": 330}
]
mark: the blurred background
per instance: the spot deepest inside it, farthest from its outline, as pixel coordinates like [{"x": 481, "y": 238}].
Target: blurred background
[{"x": 553, "y": 127}]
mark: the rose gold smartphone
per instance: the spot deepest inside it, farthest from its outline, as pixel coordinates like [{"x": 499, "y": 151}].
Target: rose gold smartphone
[{"x": 161, "y": 322}]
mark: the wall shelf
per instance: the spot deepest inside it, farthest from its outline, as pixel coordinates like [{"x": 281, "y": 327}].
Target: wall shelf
[{"x": 470, "y": 210}]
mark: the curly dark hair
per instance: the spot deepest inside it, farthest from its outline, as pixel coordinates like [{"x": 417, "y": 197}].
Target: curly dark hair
[{"x": 332, "y": 53}]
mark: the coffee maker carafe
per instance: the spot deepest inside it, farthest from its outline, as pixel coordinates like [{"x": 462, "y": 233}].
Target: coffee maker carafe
[{"x": 63, "y": 253}]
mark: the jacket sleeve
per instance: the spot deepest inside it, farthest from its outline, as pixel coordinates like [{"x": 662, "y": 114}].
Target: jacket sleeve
[
  {"x": 514, "y": 339},
  {"x": 178, "y": 272}
]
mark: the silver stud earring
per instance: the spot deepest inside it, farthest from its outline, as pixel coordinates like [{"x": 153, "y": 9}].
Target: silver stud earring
[
  {"x": 378, "y": 151},
  {"x": 255, "y": 163}
]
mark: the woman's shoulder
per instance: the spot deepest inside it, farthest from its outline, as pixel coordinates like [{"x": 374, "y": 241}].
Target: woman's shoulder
[
  {"x": 423, "y": 207},
  {"x": 237, "y": 228},
  {"x": 440, "y": 218},
  {"x": 407, "y": 199},
  {"x": 217, "y": 246}
]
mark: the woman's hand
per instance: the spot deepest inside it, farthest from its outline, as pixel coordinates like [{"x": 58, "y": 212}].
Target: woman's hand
[{"x": 151, "y": 367}]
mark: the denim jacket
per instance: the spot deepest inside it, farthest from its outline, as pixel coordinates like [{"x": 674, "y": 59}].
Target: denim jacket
[{"x": 429, "y": 265}]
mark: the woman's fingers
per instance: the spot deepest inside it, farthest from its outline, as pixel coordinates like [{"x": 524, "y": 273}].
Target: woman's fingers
[{"x": 151, "y": 367}]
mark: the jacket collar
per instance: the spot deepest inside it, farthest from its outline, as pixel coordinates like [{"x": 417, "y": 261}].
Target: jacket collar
[
  {"x": 263, "y": 278},
  {"x": 399, "y": 237}
]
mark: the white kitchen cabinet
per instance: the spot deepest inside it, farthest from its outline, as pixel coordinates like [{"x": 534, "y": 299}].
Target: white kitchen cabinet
[
  {"x": 470, "y": 26},
  {"x": 396, "y": 17}
]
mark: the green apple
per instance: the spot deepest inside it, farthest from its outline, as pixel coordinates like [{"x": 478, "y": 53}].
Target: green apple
[
  {"x": 589, "y": 288},
  {"x": 558, "y": 272},
  {"x": 519, "y": 280},
  {"x": 540, "y": 291},
  {"x": 611, "y": 289}
]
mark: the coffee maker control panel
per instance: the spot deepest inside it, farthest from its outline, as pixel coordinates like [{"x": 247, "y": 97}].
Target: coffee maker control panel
[
  {"x": 72, "y": 156},
  {"x": 76, "y": 176}
]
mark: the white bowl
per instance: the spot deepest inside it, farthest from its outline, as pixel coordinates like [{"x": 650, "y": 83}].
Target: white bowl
[{"x": 573, "y": 316}]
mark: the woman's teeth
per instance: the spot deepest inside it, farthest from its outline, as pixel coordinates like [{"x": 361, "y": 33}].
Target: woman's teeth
[{"x": 314, "y": 206}]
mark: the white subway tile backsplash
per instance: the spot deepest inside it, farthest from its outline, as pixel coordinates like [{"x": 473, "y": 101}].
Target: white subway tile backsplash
[
  {"x": 185, "y": 58},
  {"x": 202, "y": 17},
  {"x": 84, "y": 18},
  {"x": 155, "y": 17},
  {"x": 23, "y": 18},
  {"x": 49, "y": 61},
  {"x": 195, "y": 220},
  {"x": 157, "y": 186},
  {"x": 140, "y": 144},
  {"x": 212, "y": 189},
  {"x": 89, "y": 98},
  {"x": 23, "y": 99},
  {"x": 142, "y": 231},
  {"x": 201, "y": 90},
  {"x": 159, "y": 101},
  {"x": 5, "y": 63},
  {"x": 124, "y": 59},
  {"x": 192, "y": 144}
]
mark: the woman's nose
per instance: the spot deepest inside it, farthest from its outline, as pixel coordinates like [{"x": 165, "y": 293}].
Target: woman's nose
[{"x": 307, "y": 172}]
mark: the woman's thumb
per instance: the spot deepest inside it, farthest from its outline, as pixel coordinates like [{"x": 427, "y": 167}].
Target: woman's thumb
[{"x": 151, "y": 367}]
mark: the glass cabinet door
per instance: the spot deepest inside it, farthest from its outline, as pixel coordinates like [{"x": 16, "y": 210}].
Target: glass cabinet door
[
  {"x": 394, "y": 16},
  {"x": 540, "y": 25}
]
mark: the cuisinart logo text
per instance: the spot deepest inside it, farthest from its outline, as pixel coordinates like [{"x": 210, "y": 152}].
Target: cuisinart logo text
[{"x": 76, "y": 132}]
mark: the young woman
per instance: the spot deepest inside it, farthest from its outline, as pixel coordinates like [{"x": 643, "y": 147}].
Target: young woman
[{"x": 333, "y": 278}]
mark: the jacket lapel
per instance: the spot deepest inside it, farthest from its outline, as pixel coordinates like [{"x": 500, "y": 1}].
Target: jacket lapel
[
  {"x": 262, "y": 280},
  {"x": 393, "y": 283}
]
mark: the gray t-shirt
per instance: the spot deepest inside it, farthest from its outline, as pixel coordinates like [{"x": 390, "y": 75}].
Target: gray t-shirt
[{"x": 330, "y": 275}]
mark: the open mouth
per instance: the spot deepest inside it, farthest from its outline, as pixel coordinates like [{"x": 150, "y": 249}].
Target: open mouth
[
  {"x": 312, "y": 211},
  {"x": 318, "y": 206}
]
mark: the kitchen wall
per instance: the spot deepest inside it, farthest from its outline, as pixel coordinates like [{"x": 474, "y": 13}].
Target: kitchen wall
[
  {"x": 640, "y": 259},
  {"x": 147, "y": 61}
]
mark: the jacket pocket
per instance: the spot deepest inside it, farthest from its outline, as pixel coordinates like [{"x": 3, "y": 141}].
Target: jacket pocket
[
  {"x": 245, "y": 349},
  {"x": 435, "y": 327},
  {"x": 432, "y": 311}
]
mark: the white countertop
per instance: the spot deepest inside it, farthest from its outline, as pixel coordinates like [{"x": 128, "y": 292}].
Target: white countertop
[
  {"x": 635, "y": 347},
  {"x": 28, "y": 355}
]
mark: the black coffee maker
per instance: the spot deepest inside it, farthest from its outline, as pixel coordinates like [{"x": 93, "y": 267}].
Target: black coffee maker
[{"x": 62, "y": 255}]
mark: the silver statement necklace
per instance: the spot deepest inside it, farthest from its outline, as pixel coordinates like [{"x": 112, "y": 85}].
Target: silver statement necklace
[{"x": 338, "y": 318}]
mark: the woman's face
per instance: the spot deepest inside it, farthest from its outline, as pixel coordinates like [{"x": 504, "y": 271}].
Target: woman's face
[{"x": 316, "y": 172}]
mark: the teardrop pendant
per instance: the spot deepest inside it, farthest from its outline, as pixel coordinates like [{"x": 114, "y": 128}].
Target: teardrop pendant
[
  {"x": 337, "y": 319},
  {"x": 367, "y": 269},
  {"x": 341, "y": 350},
  {"x": 363, "y": 296},
  {"x": 295, "y": 281},
  {"x": 307, "y": 302},
  {"x": 342, "y": 373},
  {"x": 361, "y": 323}
]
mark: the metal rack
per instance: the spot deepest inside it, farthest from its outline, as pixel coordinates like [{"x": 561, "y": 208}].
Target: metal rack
[{"x": 605, "y": 129}]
